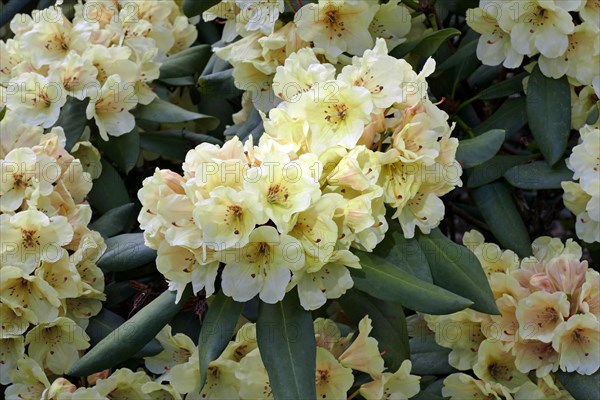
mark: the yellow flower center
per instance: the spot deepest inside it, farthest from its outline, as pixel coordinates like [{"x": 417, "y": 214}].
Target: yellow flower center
[{"x": 29, "y": 238}]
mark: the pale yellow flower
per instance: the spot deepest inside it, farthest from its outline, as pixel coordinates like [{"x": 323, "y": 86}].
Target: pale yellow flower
[
  {"x": 363, "y": 354},
  {"x": 123, "y": 384},
  {"x": 262, "y": 266},
  {"x": 540, "y": 313},
  {"x": 462, "y": 386},
  {"x": 56, "y": 344},
  {"x": 176, "y": 349},
  {"x": 29, "y": 381},
  {"x": 496, "y": 364},
  {"x": 253, "y": 378},
  {"x": 333, "y": 380},
  {"x": 337, "y": 26},
  {"x": 12, "y": 350},
  {"x": 245, "y": 341},
  {"x": 400, "y": 385},
  {"x": 535, "y": 355},
  {"x": 577, "y": 341}
]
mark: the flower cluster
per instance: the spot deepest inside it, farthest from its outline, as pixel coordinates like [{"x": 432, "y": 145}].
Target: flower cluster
[
  {"x": 107, "y": 55},
  {"x": 549, "y": 319},
  {"x": 238, "y": 373},
  {"x": 330, "y": 27},
  {"x": 49, "y": 282},
  {"x": 565, "y": 35},
  {"x": 583, "y": 197},
  {"x": 333, "y": 154}
]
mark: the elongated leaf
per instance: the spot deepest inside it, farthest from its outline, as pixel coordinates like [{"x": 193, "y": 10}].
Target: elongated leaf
[
  {"x": 174, "y": 144},
  {"x": 186, "y": 63},
  {"x": 125, "y": 341},
  {"x": 165, "y": 112},
  {"x": 114, "y": 221},
  {"x": 73, "y": 120},
  {"x": 539, "y": 175},
  {"x": 428, "y": 357},
  {"x": 217, "y": 329},
  {"x": 218, "y": 84},
  {"x": 493, "y": 169},
  {"x": 107, "y": 321},
  {"x": 123, "y": 150},
  {"x": 456, "y": 268},
  {"x": 511, "y": 117},
  {"x": 505, "y": 88},
  {"x": 109, "y": 190},
  {"x": 385, "y": 281},
  {"x": 191, "y": 8},
  {"x": 426, "y": 45},
  {"x": 475, "y": 151},
  {"x": 403, "y": 253},
  {"x": 502, "y": 216},
  {"x": 286, "y": 340},
  {"x": 125, "y": 252},
  {"x": 457, "y": 58},
  {"x": 581, "y": 387},
  {"x": 549, "y": 113},
  {"x": 389, "y": 324}
]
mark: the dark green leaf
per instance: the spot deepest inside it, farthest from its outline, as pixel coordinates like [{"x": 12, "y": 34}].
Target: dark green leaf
[
  {"x": 538, "y": 175},
  {"x": 191, "y": 8},
  {"x": 581, "y": 387},
  {"x": 114, "y": 221},
  {"x": 502, "y": 216},
  {"x": 592, "y": 117},
  {"x": 511, "y": 117},
  {"x": 286, "y": 340},
  {"x": 385, "y": 281},
  {"x": 123, "y": 150},
  {"x": 484, "y": 76},
  {"x": 73, "y": 120},
  {"x": 456, "y": 268},
  {"x": 108, "y": 191},
  {"x": 2, "y": 113},
  {"x": 493, "y": 169},
  {"x": 428, "y": 357},
  {"x": 549, "y": 113},
  {"x": 475, "y": 151},
  {"x": 457, "y": 58},
  {"x": 165, "y": 112},
  {"x": 426, "y": 45},
  {"x": 174, "y": 144},
  {"x": 188, "y": 323},
  {"x": 125, "y": 252},
  {"x": 130, "y": 337},
  {"x": 389, "y": 324},
  {"x": 403, "y": 253},
  {"x": 218, "y": 84},
  {"x": 186, "y": 63},
  {"x": 217, "y": 329},
  {"x": 505, "y": 88},
  {"x": 8, "y": 11}
]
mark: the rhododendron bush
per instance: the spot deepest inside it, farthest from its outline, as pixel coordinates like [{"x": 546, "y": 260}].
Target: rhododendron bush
[{"x": 286, "y": 199}]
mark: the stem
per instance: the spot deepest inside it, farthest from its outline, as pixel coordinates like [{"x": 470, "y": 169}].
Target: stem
[
  {"x": 411, "y": 4},
  {"x": 464, "y": 126},
  {"x": 353, "y": 395},
  {"x": 290, "y": 4},
  {"x": 466, "y": 103}
]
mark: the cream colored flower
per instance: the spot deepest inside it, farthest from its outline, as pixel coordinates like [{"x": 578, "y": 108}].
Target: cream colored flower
[
  {"x": 176, "y": 349},
  {"x": 462, "y": 386},
  {"x": 76, "y": 74},
  {"x": 227, "y": 218},
  {"x": 337, "y": 26},
  {"x": 244, "y": 342},
  {"x": 400, "y": 385},
  {"x": 577, "y": 341},
  {"x": 590, "y": 12},
  {"x": 589, "y": 298},
  {"x": 253, "y": 378},
  {"x": 284, "y": 188},
  {"x": 33, "y": 297},
  {"x": 35, "y": 98},
  {"x": 496, "y": 364},
  {"x": 576, "y": 200},
  {"x": 540, "y": 313},
  {"x": 363, "y": 354},
  {"x": 300, "y": 72},
  {"x": 494, "y": 46},
  {"x": 336, "y": 113},
  {"x": 221, "y": 380},
  {"x": 329, "y": 337},
  {"x": 123, "y": 384},
  {"x": 62, "y": 275},
  {"x": 332, "y": 379},
  {"x": 392, "y": 22},
  {"x": 13, "y": 321},
  {"x": 12, "y": 350},
  {"x": 535, "y": 355},
  {"x": 56, "y": 344},
  {"x": 29, "y": 381},
  {"x": 17, "y": 134},
  {"x": 538, "y": 25},
  {"x": 262, "y": 266},
  {"x": 23, "y": 172},
  {"x": 110, "y": 109},
  {"x": 29, "y": 237}
]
